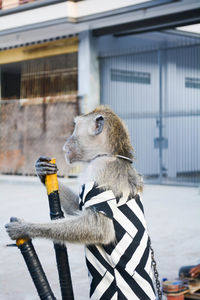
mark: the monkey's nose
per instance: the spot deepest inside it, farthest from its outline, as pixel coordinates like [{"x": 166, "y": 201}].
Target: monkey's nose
[
  {"x": 69, "y": 142},
  {"x": 66, "y": 147}
]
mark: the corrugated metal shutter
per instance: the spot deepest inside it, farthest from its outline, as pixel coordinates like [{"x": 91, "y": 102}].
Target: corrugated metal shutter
[{"x": 159, "y": 100}]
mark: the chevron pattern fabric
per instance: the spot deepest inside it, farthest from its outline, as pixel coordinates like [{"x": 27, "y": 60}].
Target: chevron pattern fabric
[{"x": 121, "y": 270}]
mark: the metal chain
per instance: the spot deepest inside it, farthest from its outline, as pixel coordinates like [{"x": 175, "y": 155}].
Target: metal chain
[{"x": 156, "y": 275}]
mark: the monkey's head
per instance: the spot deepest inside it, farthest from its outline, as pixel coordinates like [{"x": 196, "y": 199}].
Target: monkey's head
[{"x": 98, "y": 132}]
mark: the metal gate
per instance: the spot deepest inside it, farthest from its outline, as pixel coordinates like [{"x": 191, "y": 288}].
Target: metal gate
[{"x": 157, "y": 94}]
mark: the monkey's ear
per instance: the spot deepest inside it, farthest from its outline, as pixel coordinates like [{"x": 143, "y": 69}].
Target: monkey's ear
[{"x": 99, "y": 122}]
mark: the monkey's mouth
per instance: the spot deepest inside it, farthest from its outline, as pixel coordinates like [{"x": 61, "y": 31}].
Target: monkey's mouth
[
  {"x": 66, "y": 153},
  {"x": 69, "y": 156}
]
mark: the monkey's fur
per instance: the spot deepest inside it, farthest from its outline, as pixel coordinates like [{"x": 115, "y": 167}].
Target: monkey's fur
[{"x": 97, "y": 138}]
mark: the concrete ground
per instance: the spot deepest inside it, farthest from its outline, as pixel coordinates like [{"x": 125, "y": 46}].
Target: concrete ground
[{"x": 173, "y": 217}]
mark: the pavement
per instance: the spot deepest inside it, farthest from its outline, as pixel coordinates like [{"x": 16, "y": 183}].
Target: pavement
[{"x": 172, "y": 214}]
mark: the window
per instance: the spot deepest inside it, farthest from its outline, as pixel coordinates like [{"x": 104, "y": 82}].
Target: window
[
  {"x": 192, "y": 82},
  {"x": 49, "y": 76},
  {"x": 10, "y": 81},
  {"x": 130, "y": 76}
]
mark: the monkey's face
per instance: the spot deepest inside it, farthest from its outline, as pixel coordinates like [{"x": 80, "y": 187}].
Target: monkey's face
[
  {"x": 72, "y": 149},
  {"x": 87, "y": 140}
]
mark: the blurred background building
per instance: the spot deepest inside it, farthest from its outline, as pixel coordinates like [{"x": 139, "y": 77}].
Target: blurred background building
[{"x": 62, "y": 58}]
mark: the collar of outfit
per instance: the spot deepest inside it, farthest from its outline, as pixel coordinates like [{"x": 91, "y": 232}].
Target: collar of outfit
[{"x": 108, "y": 155}]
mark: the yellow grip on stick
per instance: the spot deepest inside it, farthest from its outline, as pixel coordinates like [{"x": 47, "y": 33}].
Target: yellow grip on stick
[
  {"x": 51, "y": 180},
  {"x": 21, "y": 241}
]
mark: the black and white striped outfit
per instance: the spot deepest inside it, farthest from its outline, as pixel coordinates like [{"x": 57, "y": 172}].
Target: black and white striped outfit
[{"x": 120, "y": 270}]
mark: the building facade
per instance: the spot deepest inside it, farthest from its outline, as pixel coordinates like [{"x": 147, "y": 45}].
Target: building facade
[{"x": 62, "y": 58}]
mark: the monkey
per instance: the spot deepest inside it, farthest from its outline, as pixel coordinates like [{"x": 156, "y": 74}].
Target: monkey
[{"x": 108, "y": 215}]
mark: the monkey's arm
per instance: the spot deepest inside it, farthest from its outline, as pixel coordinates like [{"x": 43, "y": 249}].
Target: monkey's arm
[
  {"x": 87, "y": 227},
  {"x": 69, "y": 200}
]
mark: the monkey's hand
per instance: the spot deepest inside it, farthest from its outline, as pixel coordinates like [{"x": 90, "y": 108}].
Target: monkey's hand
[
  {"x": 17, "y": 228},
  {"x": 43, "y": 167}
]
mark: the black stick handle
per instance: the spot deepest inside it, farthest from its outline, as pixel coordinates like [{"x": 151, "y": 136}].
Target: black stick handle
[
  {"x": 56, "y": 212},
  {"x": 35, "y": 269}
]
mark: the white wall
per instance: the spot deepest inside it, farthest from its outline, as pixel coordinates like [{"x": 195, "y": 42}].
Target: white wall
[
  {"x": 88, "y": 72},
  {"x": 66, "y": 10}
]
